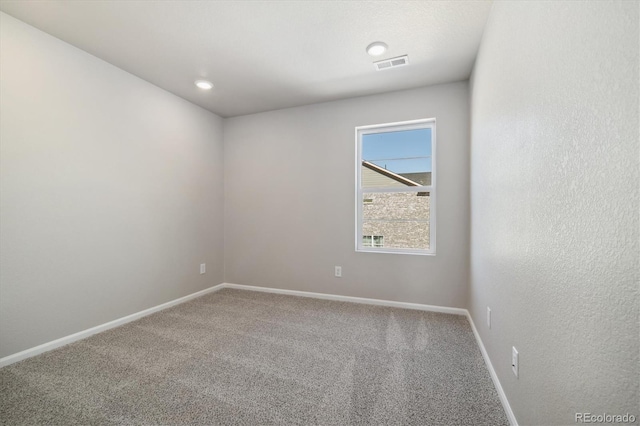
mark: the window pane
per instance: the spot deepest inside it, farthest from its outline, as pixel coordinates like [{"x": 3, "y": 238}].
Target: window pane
[
  {"x": 393, "y": 159},
  {"x": 396, "y": 220}
]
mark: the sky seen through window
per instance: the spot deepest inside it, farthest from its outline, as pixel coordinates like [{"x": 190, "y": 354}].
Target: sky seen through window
[{"x": 406, "y": 151}]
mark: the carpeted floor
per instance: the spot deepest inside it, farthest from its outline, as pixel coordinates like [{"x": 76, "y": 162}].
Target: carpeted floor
[{"x": 248, "y": 358}]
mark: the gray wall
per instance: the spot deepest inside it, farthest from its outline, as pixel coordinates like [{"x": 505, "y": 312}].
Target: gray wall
[
  {"x": 111, "y": 191},
  {"x": 555, "y": 162},
  {"x": 289, "y": 199}
]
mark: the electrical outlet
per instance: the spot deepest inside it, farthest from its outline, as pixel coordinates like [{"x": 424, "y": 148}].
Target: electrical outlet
[
  {"x": 489, "y": 317},
  {"x": 338, "y": 271},
  {"x": 203, "y": 268},
  {"x": 514, "y": 360}
]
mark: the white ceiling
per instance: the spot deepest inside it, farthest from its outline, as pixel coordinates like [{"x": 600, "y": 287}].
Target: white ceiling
[{"x": 265, "y": 55}]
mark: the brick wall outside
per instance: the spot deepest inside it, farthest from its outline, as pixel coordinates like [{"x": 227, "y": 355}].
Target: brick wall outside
[{"x": 401, "y": 217}]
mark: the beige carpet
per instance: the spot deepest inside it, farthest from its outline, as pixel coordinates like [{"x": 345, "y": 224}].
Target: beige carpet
[{"x": 250, "y": 358}]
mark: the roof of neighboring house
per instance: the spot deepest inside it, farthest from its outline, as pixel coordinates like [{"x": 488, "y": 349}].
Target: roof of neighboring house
[
  {"x": 403, "y": 179},
  {"x": 422, "y": 178}
]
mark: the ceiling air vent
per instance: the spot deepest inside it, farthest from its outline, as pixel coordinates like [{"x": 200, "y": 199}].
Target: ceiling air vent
[{"x": 392, "y": 63}]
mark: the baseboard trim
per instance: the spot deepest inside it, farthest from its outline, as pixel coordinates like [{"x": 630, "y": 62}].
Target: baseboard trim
[
  {"x": 45, "y": 347},
  {"x": 496, "y": 382},
  {"x": 352, "y": 299}
]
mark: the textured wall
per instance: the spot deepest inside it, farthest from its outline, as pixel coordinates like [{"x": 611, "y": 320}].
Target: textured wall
[
  {"x": 555, "y": 160},
  {"x": 290, "y": 199},
  {"x": 111, "y": 191}
]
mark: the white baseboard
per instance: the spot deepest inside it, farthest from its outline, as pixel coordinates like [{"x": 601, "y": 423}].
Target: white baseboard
[
  {"x": 494, "y": 376},
  {"x": 45, "y": 347},
  {"x": 352, "y": 299}
]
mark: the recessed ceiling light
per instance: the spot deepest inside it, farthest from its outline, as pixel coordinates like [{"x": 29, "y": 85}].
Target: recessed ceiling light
[
  {"x": 377, "y": 48},
  {"x": 204, "y": 84}
]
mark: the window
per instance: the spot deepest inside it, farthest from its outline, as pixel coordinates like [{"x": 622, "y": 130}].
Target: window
[
  {"x": 395, "y": 194},
  {"x": 373, "y": 241}
]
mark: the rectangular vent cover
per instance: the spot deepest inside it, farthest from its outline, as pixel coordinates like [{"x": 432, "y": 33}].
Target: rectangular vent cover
[{"x": 392, "y": 63}]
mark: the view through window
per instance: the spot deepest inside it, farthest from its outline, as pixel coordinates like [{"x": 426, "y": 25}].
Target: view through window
[{"x": 396, "y": 187}]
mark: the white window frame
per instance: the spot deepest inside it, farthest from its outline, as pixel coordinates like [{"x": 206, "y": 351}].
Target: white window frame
[{"x": 427, "y": 123}]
